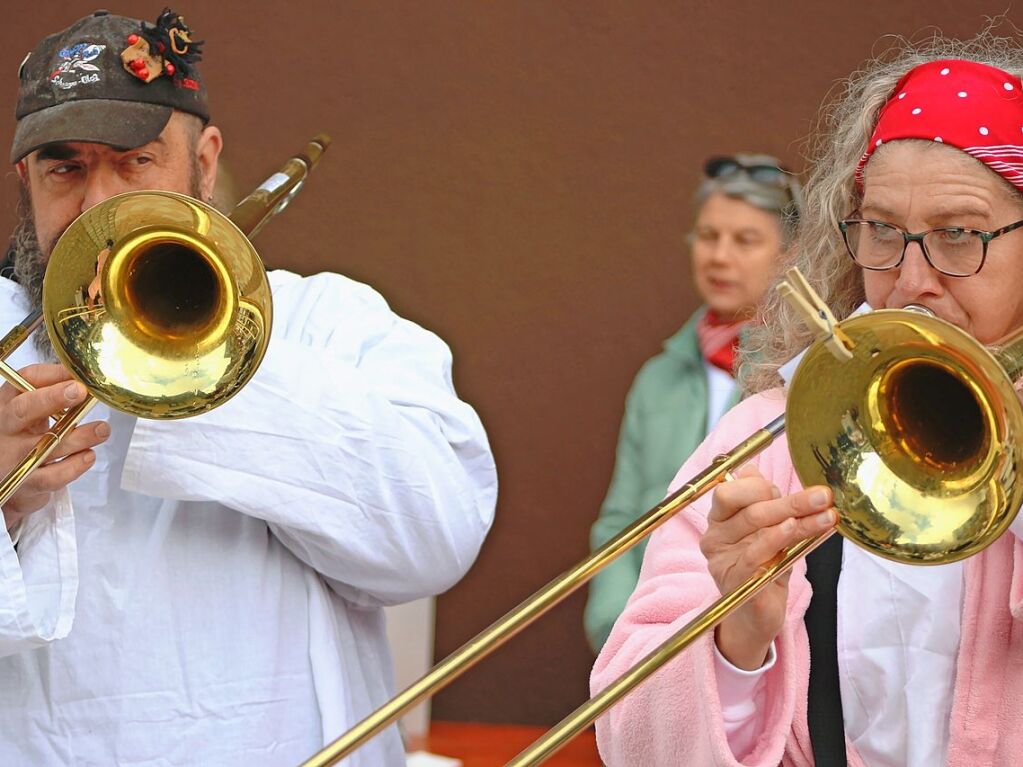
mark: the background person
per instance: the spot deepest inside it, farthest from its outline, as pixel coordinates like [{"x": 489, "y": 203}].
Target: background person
[{"x": 747, "y": 212}]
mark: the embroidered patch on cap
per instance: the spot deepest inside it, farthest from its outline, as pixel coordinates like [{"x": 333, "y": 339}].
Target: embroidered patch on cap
[{"x": 75, "y": 66}]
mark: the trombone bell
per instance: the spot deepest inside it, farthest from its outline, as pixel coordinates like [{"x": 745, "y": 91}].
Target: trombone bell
[
  {"x": 163, "y": 320},
  {"x": 918, "y": 436}
]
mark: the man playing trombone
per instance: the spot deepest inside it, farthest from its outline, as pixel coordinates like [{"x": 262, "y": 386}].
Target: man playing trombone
[{"x": 215, "y": 596}]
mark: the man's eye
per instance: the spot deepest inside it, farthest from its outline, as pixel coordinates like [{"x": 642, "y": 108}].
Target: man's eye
[{"x": 63, "y": 168}]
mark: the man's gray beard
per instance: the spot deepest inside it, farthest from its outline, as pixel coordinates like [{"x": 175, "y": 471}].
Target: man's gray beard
[{"x": 30, "y": 263}]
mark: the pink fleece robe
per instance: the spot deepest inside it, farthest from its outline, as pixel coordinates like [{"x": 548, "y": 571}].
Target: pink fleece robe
[{"x": 674, "y": 717}]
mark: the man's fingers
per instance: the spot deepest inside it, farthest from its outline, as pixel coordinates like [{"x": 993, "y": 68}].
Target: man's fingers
[
  {"x": 24, "y": 504},
  {"x": 39, "y": 375},
  {"x": 82, "y": 438},
  {"x": 53, "y": 476},
  {"x": 29, "y": 407}
]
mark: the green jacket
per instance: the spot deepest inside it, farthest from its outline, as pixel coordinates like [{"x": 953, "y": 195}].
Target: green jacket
[{"x": 665, "y": 420}]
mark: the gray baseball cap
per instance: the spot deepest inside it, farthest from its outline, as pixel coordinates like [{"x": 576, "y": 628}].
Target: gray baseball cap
[{"x": 107, "y": 79}]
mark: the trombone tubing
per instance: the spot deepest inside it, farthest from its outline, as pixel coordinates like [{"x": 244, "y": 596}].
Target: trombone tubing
[
  {"x": 553, "y": 740},
  {"x": 546, "y": 598},
  {"x": 14, "y": 338}
]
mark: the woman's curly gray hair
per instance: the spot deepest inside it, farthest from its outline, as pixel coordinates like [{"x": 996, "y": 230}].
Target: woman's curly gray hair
[{"x": 843, "y": 128}]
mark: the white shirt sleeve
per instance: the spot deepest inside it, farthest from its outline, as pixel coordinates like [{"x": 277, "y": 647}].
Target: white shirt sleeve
[
  {"x": 39, "y": 581},
  {"x": 349, "y": 441},
  {"x": 741, "y": 693}
]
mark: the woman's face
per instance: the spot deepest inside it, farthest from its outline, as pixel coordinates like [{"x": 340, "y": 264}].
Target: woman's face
[
  {"x": 919, "y": 186},
  {"x": 735, "y": 248}
]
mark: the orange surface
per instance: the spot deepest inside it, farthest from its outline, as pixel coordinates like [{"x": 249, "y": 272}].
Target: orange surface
[{"x": 492, "y": 745}]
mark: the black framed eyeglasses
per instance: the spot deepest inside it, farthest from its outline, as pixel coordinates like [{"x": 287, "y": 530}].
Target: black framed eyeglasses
[
  {"x": 954, "y": 251},
  {"x": 723, "y": 167}
]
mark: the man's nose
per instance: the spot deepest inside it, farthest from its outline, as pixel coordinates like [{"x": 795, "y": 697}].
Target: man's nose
[{"x": 101, "y": 184}]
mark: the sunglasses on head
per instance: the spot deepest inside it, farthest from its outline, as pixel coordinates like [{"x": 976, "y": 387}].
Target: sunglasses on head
[{"x": 723, "y": 167}]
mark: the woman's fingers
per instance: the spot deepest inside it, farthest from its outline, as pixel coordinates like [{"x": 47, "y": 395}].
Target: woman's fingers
[
  {"x": 750, "y": 522},
  {"x": 748, "y": 503},
  {"x": 767, "y": 542},
  {"x": 765, "y": 514},
  {"x": 733, "y": 496}
]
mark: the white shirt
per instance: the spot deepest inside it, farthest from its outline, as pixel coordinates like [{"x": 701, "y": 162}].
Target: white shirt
[
  {"x": 720, "y": 389},
  {"x": 231, "y": 567}
]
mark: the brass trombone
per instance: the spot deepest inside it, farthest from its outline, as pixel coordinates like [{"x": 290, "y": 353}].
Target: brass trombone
[
  {"x": 868, "y": 413},
  {"x": 158, "y": 303}
]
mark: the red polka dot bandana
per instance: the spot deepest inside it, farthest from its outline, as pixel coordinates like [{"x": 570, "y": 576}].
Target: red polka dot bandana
[{"x": 971, "y": 106}]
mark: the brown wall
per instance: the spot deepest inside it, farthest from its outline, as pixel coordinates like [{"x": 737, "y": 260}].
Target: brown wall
[{"x": 515, "y": 176}]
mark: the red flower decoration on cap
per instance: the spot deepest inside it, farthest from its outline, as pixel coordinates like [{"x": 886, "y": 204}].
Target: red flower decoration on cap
[
  {"x": 163, "y": 48},
  {"x": 973, "y": 107}
]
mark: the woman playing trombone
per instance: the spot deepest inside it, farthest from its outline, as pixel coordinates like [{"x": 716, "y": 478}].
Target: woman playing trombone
[{"x": 916, "y": 198}]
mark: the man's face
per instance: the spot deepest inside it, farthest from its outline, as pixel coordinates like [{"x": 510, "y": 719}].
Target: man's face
[{"x": 64, "y": 180}]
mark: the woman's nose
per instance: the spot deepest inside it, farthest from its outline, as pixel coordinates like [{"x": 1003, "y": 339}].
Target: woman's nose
[{"x": 916, "y": 275}]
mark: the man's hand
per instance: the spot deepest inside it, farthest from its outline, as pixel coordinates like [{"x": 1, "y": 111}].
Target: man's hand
[{"x": 24, "y": 417}]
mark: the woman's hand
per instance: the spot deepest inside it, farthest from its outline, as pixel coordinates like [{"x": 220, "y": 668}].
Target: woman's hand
[
  {"x": 24, "y": 417},
  {"x": 749, "y": 523}
]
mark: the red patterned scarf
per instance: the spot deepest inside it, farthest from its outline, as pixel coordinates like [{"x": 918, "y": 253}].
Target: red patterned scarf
[
  {"x": 973, "y": 107},
  {"x": 719, "y": 339}
]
